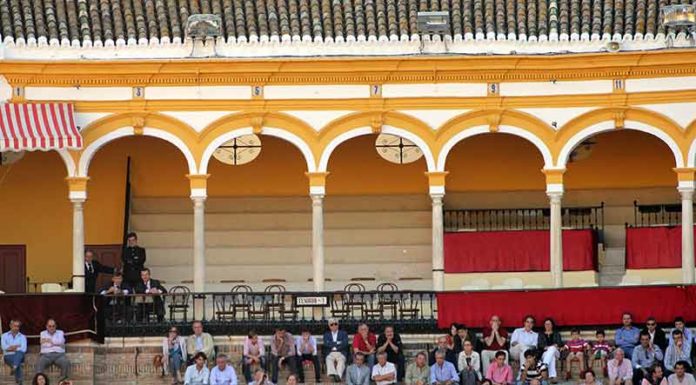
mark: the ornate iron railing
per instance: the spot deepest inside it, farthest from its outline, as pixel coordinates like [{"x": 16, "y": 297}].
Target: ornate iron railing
[
  {"x": 237, "y": 312},
  {"x": 665, "y": 214}
]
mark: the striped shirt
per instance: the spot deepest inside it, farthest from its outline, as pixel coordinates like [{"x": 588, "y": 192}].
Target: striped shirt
[
  {"x": 575, "y": 346},
  {"x": 536, "y": 372},
  {"x": 601, "y": 346}
]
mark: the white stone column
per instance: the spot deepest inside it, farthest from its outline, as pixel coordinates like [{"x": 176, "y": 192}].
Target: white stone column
[
  {"x": 687, "y": 199},
  {"x": 556, "y": 234},
  {"x": 198, "y": 243},
  {"x": 438, "y": 243},
  {"x": 318, "y": 240},
  {"x": 78, "y": 251}
]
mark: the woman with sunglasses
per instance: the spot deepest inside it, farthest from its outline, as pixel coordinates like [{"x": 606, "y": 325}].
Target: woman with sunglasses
[{"x": 174, "y": 353}]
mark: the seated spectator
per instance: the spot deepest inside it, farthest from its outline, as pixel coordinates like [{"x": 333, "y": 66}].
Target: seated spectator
[
  {"x": 307, "y": 351},
  {"x": 384, "y": 372},
  {"x": 174, "y": 353},
  {"x": 358, "y": 373},
  {"x": 365, "y": 342},
  {"x": 454, "y": 327},
  {"x": 291, "y": 379},
  {"x": 463, "y": 335},
  {"x": 677, "y": 351},
  {"x": 115, "y": 309},
  {"x": 335, "y": 350},
  {"x": 657, "y": 335},
  {"x": 92, "y": 270},
  {"x": 499, "y": 372},
  {"x": 587, "y": 377},
  {"x": 53, "y": 350},
  {"x": 198, "y": 373},
  {"x": 620, "y": 369},
  {"x": 655, "y": 376},
  {"x": 418, "y": 372},
  {"x": 223, "y": 373},
  {"x": 523, "y": 339},
  {"x": 627, "y": 335},
  {"x": 533, "y": 371},
  {"x": 148, "y": 285},
  {"x": 260, "y": 378},
  {"x": 687, "y": 336},
  {"x": 14, "y": 347},
  {"x": 549, "y": 344},
  {"x": 199, "y": 342},
  {"x": 469, "y": 365},
  {"x": 443, "y": 372},
  {"x": 40, "y": 379},
  {"x": 450, "y": 356},
  {"x": 390, "y": 343},
  {"x": 644, "y": 357},
  {"x": 600, "y": 351},
  {"x": 282, "y": 352},
  {"x": 680, "y": 375},
  {"x": 495, "y": 338},
  {"x": 576, "y": 347},
  {"x": 253, "y": 353}
]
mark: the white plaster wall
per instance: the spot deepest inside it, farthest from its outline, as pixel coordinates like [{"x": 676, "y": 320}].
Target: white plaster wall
[
  {"x": 5, "y": 89},
  {"x": 556, "y": 88},
  {"x": 682, "y": 113},
  {"x": 316, "y": 92},
  {"x": 83, "y": 119},
  {"x": 559, "y": 115},
  {"x": 199, "y": 120},
  {"x": 434, "y": 90},
  {"x": 318, "y": 119},
  {"x": 661, "y": 84},
  {"x": 198, "y": 92},
  {"x": 78, "y": 93},
  {"x": 435, "y": 118}
]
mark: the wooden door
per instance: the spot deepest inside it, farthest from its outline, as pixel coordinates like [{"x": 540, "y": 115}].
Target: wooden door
[
  {"x": 13, "y": 268},
  {"x": 107, "y": 255}
]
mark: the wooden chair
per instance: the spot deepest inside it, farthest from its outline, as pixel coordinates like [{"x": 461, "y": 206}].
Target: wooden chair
[
  {"x": 274, "y": 300},
  {"x": 240, "y": 300},
  {"x": 179, "y": 301},
  {"x": 408, "y": 306}
]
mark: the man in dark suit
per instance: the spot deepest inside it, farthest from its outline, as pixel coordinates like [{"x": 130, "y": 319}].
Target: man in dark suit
[
  {"x": 147, "y": 305},
  {"x": 133, "y": 257},
  {"x": 115, "y": 305},
  {"x": 335, "y": 350},
  {"x": 92, "y": 270},
  {"x": 657, "y": 335}
]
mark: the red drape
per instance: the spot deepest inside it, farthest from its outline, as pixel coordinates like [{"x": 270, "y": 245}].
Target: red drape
[
  {"x": 653, "y": 247},
  {"x": 505, "y": 251},
  {"x": 76, "y": 314},
  {"x": 582, "y": 306}
]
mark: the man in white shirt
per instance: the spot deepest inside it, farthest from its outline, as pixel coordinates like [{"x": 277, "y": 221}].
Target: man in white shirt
[
  {"x": 222, "y": 373},
  {"x": 384, "y": 373},
  {"x": 523, "y": 339},
  {"x": 306, "y": 346},
  {"x": 53, "y": 350},
  {"x": 198, "y": 373},
  {"x": 680, "y": 377}
]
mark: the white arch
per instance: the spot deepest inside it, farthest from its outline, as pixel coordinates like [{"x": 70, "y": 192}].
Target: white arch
[
  {"x": 691, "y": 161},
  {"x": 610, "y": 125},
  {"x": 354, "y": 133},
  {"x": 89, "y": 152},
  {"x": 270, "y": 131},
  {"x": 68, "y": 160},
  {"x": 485, "y": 129}
]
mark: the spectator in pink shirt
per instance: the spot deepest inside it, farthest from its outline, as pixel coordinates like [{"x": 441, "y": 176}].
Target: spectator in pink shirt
[
  {"x": 499, "y": 372},
  {"x": 620, "y": 369},
  {"x": 254, "y": 354}
]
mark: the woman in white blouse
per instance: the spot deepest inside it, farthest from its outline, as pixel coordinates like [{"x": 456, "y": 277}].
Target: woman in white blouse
[
  {"x": 198, "y": 373},
  {"x": 469, "y": 365},
  {"x": 174, "y": 353}
]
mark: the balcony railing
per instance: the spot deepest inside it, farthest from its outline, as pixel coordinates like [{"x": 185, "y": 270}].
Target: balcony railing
[
  {"x": 237, "y": 312},
  {"x": 666, "y": 214}
]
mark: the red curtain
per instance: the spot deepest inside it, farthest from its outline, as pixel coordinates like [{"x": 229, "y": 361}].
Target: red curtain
[
  {"x": 653, "y": 247},
  {"x": 506, "y": 251},
  {"x": 577, "y": 307}
]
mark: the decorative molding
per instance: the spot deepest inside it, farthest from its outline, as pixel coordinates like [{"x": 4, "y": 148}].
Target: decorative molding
[{"x": 138, "y": 123}]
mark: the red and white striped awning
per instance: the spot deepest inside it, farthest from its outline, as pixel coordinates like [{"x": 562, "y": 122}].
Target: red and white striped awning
[{"x": 38, "y": 126}]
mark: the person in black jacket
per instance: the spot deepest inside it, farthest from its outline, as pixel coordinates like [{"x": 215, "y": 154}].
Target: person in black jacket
[
  {"x": 657, "y": 335},
  {"x": 450, "y": 355},
  {"x": 147, "y": 285},
  {"x": 549, "y": 346},
  {"x": 390, "y": 343},
  {"x": 133, "y": 257},
  {"x": 92, "y": 270}
]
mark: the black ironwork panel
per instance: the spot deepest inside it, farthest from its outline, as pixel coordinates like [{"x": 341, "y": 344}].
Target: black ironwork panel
[{"x": 663, "y": 214}]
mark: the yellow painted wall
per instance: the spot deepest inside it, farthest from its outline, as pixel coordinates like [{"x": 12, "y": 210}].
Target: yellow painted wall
[{"x": 356, "y": 168}]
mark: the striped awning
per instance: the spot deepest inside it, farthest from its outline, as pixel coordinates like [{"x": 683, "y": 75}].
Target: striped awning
[{"x": 38, "y": 126}]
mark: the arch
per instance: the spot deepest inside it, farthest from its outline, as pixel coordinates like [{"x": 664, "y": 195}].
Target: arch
[
  {"x": 691, "y": 136},
  {"x": 278, "y": 125},
  {"x": 480, "y": 122},
  {"x": 358, "y": 124},
  {"x": 110, "y": 128},
  {"x": 68, "y": 160},
  {"x": 599, "y": 121}
]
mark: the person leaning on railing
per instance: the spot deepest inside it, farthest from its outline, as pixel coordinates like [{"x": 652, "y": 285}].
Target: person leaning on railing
[{"x": 148, "y": 285}]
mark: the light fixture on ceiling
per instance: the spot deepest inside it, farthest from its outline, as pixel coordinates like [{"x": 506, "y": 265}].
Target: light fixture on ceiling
[
  {"x": 240, "y": 150},
  {"x": 396, "y": 149},
  {"x": 582, "y": 151},
  {"x": 10, "y": 157}
]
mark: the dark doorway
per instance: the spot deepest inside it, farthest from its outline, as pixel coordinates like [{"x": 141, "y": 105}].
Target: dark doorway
[{"x": 13, "y": 268}]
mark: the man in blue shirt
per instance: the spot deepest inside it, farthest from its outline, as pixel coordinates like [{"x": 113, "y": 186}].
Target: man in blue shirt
[
  {"x": 443, "y": 372},
  {"x": 627, "y": 336},
  {"x": 14, "y": 347}
]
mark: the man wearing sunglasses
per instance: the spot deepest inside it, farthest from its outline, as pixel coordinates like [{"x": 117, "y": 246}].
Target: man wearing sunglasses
[
  {"x": 335, "y": 350},
  {"x": 657, "y": 335}
]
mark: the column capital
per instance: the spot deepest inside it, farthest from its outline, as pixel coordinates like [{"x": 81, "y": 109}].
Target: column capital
[
  {"x": 199, "y": 185},
  {"x": 436, "y": 182},
  {"x": 554, "y": 179},
  {"x": 317, "y": 183},
  {"x": 685, "y": 178},
  {"x": 77, "y": 188},
  {"x": 554, "y": 196}
]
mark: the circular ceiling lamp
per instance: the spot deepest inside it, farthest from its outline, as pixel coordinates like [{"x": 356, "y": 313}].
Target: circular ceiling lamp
[
  {"x": 238, "y": 151},
  {"x": 396, "y": 149}
]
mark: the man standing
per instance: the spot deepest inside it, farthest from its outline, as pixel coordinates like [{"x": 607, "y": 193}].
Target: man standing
[
  {"x": 133, "y": 258},
  {"x": 199, "y": 341},
  {"x": 14, "y": 347},
  {"x": 336, "y": 350},
  {"x": 147, "y": 285},
  {"x": 222, "y": 373},
  {"x": 644, "y": 356},
  {"x": 443, "y": 372},
  {"x": 418, "y": 372},
  {"x": 627, "y": 336},
  {"x": 384, "y": 372},
  {"x": 358, "y": 373},
  {"x": 53, "y": 350},
  {"x": 282, "y": 351},
  {"x": 92, "y": 270}
]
